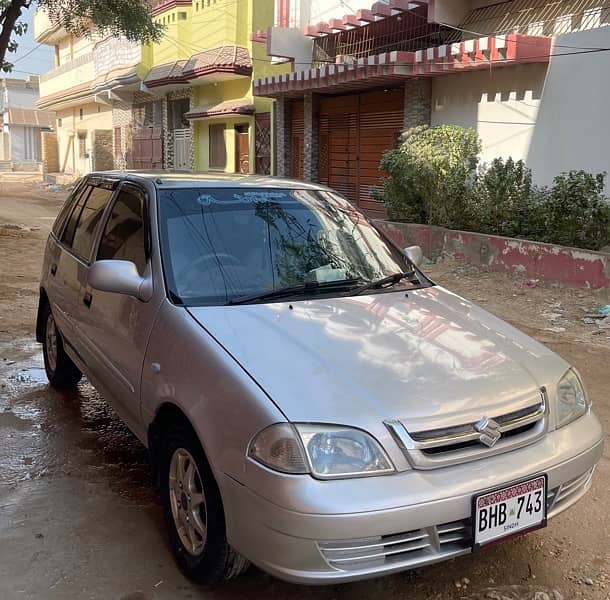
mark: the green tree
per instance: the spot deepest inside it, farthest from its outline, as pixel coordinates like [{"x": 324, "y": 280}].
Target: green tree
[{"x": 130, "y": 18}]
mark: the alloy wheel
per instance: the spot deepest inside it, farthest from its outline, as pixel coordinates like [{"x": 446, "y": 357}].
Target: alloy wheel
[{"x": 188, "y": 501}]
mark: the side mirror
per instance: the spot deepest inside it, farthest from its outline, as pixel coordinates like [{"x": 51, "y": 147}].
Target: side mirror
[
  {"x": 415, "y": 255},
  {"x": 118, "y": 276}
]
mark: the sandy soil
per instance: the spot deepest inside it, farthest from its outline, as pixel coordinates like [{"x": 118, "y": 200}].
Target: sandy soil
[{"x": 79, "y": 517}]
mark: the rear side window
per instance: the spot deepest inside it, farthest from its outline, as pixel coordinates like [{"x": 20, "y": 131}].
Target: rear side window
[
  {"x": 67, "y": 208},
  {"x": 72, "y": 220},
  {"x": 124, "y": 236},
  {"x": 83, "y": 226},
  {"x": 89, "y": 220}
]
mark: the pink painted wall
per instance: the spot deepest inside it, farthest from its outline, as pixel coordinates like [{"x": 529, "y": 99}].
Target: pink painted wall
[{"x": 581, "y": 268}]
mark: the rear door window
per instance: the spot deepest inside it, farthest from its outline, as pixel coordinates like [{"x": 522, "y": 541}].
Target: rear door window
[
  {"x": 124, "y": 236},
  {"x": 85, "y": 220},
  {"x": 66, "y": 209},
  {"x": 72, "y": 221}
]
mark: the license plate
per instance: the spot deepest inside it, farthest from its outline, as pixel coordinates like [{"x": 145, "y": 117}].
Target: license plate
[{"x": 508, "y": 511}]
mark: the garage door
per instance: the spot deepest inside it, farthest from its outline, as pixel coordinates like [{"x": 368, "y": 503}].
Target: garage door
[{"x": 355, "y": 131}]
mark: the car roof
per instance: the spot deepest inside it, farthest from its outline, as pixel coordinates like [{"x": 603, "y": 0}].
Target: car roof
[{"x": 181, "y": 179}]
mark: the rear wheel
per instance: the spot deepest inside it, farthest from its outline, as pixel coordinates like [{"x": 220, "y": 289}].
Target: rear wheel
[
  {"x": 61, "y": 371},
  {"x": 193, "y": 511}
]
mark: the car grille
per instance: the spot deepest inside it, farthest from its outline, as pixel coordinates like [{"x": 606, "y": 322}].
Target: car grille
[
  {"x": 561, "y": 497},
  {"x": 411, "y": 548},
  {"x": 434, "y": 448}
]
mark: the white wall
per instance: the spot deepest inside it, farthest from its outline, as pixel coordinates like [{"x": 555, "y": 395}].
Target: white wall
[
  {"x": 501, "y": 106},
  {"x": 291, "y": 43},
  {"x": 573, "y": 127},
  {"x": 311, "y": 12},
  {"x": 15, "y": 97},
  {"x": 556, "y": 118}
]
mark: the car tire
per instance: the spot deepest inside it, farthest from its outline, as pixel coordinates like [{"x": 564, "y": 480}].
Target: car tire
[
  {"x": 61, "y": 371},
  {"x": 193, "y": 510}
]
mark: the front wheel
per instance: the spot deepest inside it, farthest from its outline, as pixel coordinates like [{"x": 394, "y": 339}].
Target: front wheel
[
  {"x": 193, "y": 511},
  {"x": 61, "y": 371}
]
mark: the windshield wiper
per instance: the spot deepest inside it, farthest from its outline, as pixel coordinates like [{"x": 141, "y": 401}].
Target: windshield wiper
[
  {"x": 295, "y": 290},
  {"x": 386, "y": 282}
]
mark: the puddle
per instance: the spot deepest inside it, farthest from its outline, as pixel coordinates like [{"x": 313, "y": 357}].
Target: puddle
[
  {"x": 55, "y": 433},
  {"x": 32, "y": 375}
]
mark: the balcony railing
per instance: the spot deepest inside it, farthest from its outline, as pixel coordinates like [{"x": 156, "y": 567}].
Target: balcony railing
[
  {"x": 113, "y": 53},
  {"x": 409, "y": 31},
  {"x": 67, "y": 67}
]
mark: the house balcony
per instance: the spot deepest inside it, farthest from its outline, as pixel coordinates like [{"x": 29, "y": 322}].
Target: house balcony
[
  {"x": 116, "y": 65},
  {"x": 72, "y": 79},
  {"x": 44, "y": 31}
]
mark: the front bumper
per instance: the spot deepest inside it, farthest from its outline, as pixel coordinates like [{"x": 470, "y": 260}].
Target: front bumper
[{"x": 323, "y": 547}]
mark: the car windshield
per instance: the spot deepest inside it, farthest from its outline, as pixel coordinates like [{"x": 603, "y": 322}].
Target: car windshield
[{"x": 220, "y": 245}]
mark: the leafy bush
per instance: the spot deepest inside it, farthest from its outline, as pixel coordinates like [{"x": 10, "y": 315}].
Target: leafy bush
[
  {"x": 577, "y": 213},
  {"x": 431, "y": 174},
  {"x": 435, "y": 178},
  {"x": 502, "y": 197}
]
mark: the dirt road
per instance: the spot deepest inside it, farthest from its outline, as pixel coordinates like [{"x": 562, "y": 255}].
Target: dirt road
[{"x": 79, "y": 517}]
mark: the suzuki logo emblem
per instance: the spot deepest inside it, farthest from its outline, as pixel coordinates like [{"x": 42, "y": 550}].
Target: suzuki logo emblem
[{"x": 489, "y": 430}]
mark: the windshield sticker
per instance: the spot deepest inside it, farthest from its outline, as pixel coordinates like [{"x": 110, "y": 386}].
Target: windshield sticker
[{"x": 243, "y": 198}]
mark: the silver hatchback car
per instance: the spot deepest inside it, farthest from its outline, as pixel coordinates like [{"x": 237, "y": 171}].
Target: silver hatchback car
[{"x": 311, "y": 402}]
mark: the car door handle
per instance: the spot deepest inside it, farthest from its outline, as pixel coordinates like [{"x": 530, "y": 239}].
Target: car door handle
[
  {"x": 87, "y": 299},
  {"x": 53, "y": 269}
]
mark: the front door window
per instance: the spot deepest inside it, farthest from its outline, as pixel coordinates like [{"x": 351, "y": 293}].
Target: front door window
[{"x": 124, "y": 235}]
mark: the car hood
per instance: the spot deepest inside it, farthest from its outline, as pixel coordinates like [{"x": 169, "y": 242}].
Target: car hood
[{"x": 426, "y": 357}]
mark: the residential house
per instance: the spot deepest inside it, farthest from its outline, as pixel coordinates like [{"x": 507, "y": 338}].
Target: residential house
[
  {"x": 528, "y": 75},
  {"x": 90, "y": 76},
  {"x": 21, "y": 125},
  {"x": 200, "y": 86},
  {"x": 184, "y": 103}
]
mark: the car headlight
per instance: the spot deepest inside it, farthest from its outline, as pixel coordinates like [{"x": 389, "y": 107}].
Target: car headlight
[
  {"x": 572, "y": 399},
  {"x": 325, "y": 451}
]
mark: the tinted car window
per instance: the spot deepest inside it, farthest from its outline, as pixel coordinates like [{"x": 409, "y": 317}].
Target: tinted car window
[
  {"x": 89, "y": 220},
  {"x": 72, "y": 221},
  {"x": 222, "y": 244},
  {"x": 124, "y": 234},
  {"x": 67, "y": 208}
]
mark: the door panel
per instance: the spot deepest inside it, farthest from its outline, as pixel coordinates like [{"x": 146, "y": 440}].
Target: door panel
[
  {"x": 116, "y": 327},
  {"x": 147, "y": 148},
  {"x": 68, "y": 264},
  {"x": 182, "y": 149}
]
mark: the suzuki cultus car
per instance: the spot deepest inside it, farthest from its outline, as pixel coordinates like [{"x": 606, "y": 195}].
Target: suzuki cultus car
[{"x": 312, "y": 403}]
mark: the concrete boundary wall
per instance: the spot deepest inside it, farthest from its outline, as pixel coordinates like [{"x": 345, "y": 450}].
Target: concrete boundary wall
[{"x": 572, "y": 266}]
